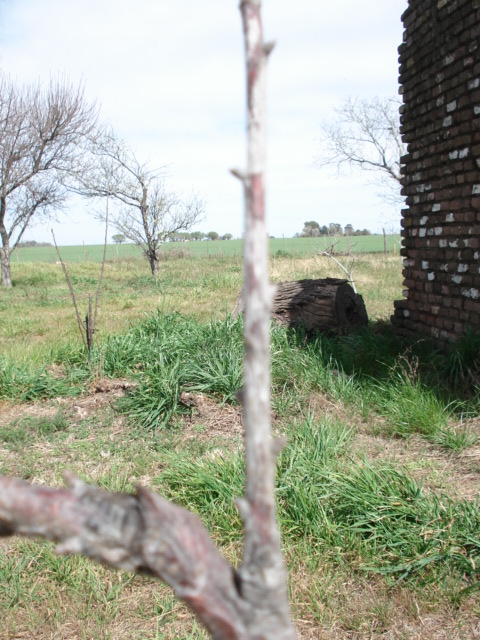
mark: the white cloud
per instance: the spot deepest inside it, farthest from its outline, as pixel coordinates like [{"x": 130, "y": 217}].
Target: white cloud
[{"x": 169, "y": 77}]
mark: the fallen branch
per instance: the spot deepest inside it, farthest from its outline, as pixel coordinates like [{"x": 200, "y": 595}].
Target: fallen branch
[
  {"x": 143, "y": 533},
  {"x": 348, "y": 269}
]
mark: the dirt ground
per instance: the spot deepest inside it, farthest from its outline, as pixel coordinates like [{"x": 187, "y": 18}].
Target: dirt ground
[{"x": 371, "y": 611}]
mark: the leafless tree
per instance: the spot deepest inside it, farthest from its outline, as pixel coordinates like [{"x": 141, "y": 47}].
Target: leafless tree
[
  {"x": 146, "y": 212},
  {"x": 40, "y": 130},
  {"x": 366, "y": 135},
  {"x": 144, "y": 532}
]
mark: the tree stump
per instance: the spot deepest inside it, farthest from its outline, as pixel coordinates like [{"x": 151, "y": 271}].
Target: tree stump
[{"x": 326, "y": 304}]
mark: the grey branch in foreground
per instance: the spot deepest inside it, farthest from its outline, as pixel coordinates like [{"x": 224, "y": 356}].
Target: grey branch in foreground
[
  {"x": 147, "y": 534},
  {"x": 143, "y": 533}
]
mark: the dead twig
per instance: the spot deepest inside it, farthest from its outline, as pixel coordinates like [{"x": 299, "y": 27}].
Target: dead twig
[
  {"x": 86, "y": 327},
  {"x": 348, "y": 268}
]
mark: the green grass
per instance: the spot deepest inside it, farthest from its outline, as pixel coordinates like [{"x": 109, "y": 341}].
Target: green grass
[
  {"x": 170, "y": 353},
  {"x": 375, "y": 486},
  {"x": 38, "y": 317},
  {"x": 26, "y": 430},
  {"x": 375, "y": 514},
  {"x": 383, "y": 514},
  {"x": 282, "y": 247},
  {"x": 24, "y": 382}
]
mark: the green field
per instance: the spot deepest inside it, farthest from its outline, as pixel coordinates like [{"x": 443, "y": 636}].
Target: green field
[
  {"x": 377, "y": 486},
  {"x": 291, "y": 246}
]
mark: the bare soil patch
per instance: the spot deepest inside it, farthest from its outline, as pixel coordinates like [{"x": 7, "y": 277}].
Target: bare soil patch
[
  {"x": 209, "y": 420},
  {"x": 9, "y": 412}
]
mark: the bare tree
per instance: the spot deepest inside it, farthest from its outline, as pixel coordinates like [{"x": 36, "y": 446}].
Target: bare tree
[
  {"x": 366, "y": 135},
  {"x": 40, "y": 130},
  {"x": 144, "y": 532},
  {"x": 146, "y": 212}
]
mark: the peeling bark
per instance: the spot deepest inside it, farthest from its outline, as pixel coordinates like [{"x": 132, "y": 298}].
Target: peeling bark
[{"x": 145, "y": 532}]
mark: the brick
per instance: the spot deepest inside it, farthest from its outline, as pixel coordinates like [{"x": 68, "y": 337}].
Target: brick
[{"x": 441, "y": 173}]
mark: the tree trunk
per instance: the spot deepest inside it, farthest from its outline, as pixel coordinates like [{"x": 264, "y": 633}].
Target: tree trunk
[
  {"x": 327, "y": 304},
  {"x": 153, "y": 260},
  {"x": 5, "y": 254}
]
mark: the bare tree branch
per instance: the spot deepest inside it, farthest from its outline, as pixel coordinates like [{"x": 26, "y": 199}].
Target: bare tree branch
[
  {"x": 87, "y": 328},
  {"x": 366, "y": 136},
  {"x": 347, "y": 268},
  {"x": 40, "y": 130},
  {"x": 262, "y": 571},
  {"x": 80, "y": 323},
  {"x": 143, "y": 533}
]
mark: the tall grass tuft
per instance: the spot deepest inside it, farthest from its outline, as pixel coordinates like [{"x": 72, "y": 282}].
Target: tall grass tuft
[
  {"x": 170, "y": 353},
  {"x": 410, "y": 406},
  {"x": 207, "y": 486},
  {"x": 461, "y": 369},
  {"x": 398, "y": 528},
  {"x": 312, "y": 448},
  {"x": 375, "y": 515},
  {"x": 25, "y": 382},
  {"x": 155, "y": 400}
]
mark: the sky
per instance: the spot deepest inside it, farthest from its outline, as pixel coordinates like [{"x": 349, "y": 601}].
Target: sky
[{"x": 168, "y": 75}]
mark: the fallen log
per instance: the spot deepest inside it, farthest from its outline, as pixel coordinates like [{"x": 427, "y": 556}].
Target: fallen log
[{"x": 325, "y": 304}]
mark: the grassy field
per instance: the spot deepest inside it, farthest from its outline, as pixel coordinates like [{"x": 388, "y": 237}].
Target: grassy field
[
  {"x": 37, "y": 313},
  {"x": 377, "y": 486},
  {"x": 296, "y": 247}
]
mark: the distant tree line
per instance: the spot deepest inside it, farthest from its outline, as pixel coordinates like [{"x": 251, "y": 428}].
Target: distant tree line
[
  {"x": 182, "y": 236},
  {"x": 26, "y": 244},
  {"x": 312, "y": 229},
  {"x": 197, "y": 236}
]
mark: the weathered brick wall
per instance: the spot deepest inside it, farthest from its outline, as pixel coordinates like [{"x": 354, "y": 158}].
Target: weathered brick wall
[{"x": 440, "y": 123}]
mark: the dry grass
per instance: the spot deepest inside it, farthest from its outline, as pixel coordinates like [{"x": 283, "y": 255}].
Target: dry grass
[{"x": 37, "y": 312}]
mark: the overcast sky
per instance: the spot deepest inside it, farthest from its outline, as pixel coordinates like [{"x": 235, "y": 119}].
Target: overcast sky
[{"x": 169, "y": 76}]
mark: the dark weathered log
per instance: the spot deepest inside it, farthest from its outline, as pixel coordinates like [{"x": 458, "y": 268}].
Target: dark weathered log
[{"x": 325, "y": 304}]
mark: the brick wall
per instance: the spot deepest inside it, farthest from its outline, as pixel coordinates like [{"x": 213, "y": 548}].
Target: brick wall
[{"x": 440, "y": 123}]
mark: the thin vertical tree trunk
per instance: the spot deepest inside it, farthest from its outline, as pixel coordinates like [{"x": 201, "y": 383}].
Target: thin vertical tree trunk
[
  {"x": 262, "y": 573},
  {"x": 6, "y": 278},
  {"x": 154, "y": 265}
]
